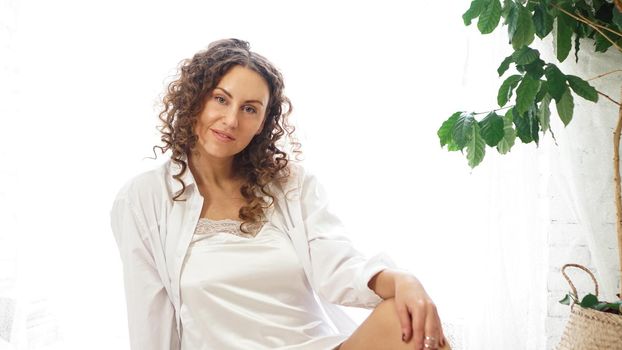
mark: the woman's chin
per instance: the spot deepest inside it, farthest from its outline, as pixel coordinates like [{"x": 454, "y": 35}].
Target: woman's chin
[{"x": 218, "y": 154}]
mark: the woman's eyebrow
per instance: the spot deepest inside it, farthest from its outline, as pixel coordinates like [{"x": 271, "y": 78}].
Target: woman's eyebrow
[{"x": 231, "y": 96}]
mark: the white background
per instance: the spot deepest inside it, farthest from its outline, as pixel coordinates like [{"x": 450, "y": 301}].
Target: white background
[{"x": 370, "y": 82}]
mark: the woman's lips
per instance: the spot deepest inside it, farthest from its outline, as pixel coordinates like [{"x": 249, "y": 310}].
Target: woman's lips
[{"x": 222, "y": 136}]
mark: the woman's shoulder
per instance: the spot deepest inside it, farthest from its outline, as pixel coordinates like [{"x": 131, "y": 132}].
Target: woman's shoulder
[
  {"x": 146, "y": 185},
  {"x": 303, "y": 174},
  {"x": 293, "y": 175},
  {"x": 299, "y": 177}
]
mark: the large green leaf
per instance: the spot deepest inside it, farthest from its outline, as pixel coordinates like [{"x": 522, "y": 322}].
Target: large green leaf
[
  {"x": 584, "y": 7},
  {"x": 563, "y": 37},
  {"x": 445, "y": 131},
  {"x": 556, "y": 81},
  {"x": 505, "y": 91},
  {"x": 452, "y": 146},
  {"x": 474, "y": 11},
  {"x": 565, "y": 107},
  {"x": 462, "y": 129},
  {"x": 509, "y": 134},
  {"x": 526, "y": 126},
  {"x": 490, "y": 16},
  {"x": 525, "y": 55},
  {"x": 526, "y": 94},
  {"x": 534, "y": 69},
  {"x": 601, "y": 44},
  {"x": 503, "y": 67},
  {"x": 589, "y": 301},
  {"x": 525, "y": 30},
  {"x": 505, "y": 9},
  {"x": 476, "y": 147},
  {"x": 534, "y": 124},
  {"x": 491, "y": 129},
  {"x": 582, "y": 88},
  {"x": 544, "y": 113},
  {"x": 512, "y": 19},
  {"x": 543, "y": 90},
  {"x": 542, "y": 20}
]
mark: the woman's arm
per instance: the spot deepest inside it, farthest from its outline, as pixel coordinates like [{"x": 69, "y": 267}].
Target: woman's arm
[
  {"x": 383, "y": 284},
  {"x": 150, "y": 314},
  {"x": 340, "y": 272}
]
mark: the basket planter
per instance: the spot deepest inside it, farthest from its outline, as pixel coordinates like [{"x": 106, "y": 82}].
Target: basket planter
[{"x": 589, "y": 329}]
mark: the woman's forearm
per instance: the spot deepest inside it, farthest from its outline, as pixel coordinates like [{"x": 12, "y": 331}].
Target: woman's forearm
[{"x": 383, "y": 283}]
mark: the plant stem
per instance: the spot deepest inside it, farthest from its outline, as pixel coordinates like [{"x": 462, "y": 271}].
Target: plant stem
[
  {"x": 609, "y": 98},
  {"x": 600, "y": 26},
  {"x": 591, "y": 24},
  {"x": 618, "y": 190},
  {"x": 585, "y": 19},
  {"x": 494, "y": 110},
  {"x": 605, "y": 74}
]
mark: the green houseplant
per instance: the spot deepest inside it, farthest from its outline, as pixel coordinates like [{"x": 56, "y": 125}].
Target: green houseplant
[{"x": 525, "y": 98}]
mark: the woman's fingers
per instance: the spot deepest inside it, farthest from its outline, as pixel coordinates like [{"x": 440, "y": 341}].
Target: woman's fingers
[
  {"x": 433, "y": 330},
  {"x": 404, "y": 317},
  {"x": 418, "y": 315},
  {"x": 422, "y": 322}
]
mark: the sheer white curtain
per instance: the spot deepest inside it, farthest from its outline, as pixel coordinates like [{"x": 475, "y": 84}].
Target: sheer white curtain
[
  {"x": 371, "y": 82},
  {"x": 505, "y": 255}
]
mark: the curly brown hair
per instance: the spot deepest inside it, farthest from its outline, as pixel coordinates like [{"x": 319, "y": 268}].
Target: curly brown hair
[{"x": 261, "y": 162}]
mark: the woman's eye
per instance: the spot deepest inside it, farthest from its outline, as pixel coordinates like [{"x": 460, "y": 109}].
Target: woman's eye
[
  {"x": 249, "y": 109},
  {"x": 220, "y": 99}
]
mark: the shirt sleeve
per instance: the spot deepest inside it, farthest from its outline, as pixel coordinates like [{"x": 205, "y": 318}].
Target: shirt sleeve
[
  {"x": 150, "y": 313},
  {"x": 340, "y": 272}
]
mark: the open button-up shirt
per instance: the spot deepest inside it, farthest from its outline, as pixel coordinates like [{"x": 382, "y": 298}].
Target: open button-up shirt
[{"x": 153, "y": 233}]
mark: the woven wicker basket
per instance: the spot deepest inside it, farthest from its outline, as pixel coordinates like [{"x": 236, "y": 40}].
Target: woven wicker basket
[{"x": 589, "y": 329}]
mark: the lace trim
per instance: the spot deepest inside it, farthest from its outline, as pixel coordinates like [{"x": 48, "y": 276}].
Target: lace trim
[{"x": 211, "y": 227}]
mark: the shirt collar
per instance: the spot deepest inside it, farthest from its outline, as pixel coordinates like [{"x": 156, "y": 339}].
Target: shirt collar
[{"x": 188, "y": 178}]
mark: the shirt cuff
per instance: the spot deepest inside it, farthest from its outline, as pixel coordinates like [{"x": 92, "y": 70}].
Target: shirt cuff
[{"x": 377, "y": 263}]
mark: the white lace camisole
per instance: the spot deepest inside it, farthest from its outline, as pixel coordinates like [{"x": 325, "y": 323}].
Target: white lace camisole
[{"x": 248, "y": 292}]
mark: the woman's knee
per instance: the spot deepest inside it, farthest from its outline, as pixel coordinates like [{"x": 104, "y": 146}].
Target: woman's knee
[
  {"x": 381, "y": 330},
  {"x": 386, "y": 313}
]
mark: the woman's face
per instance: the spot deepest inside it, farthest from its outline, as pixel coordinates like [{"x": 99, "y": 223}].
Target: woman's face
[{"x": 233, "y": 114}]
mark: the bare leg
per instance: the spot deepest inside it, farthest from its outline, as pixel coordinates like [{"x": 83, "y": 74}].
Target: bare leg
[{"x": 381, "y": 330}]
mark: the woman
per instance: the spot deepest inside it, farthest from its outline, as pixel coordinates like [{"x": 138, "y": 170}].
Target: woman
[{"x": 230, "y": 245}]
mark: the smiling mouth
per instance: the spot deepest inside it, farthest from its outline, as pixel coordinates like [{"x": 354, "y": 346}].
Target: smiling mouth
[{"x": 221, "y": 136}]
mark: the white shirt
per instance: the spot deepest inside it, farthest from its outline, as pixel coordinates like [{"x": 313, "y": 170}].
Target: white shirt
[{"x": 153, "y": 234}]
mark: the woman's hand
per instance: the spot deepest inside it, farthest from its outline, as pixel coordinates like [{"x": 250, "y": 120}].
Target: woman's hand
[{"x": 417, "y": 313}]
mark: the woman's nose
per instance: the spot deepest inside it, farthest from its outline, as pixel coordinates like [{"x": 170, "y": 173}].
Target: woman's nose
[{"x": 231, "y": 117}]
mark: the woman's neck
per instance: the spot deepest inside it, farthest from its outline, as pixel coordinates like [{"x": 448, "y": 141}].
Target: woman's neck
[{"x": 212, "y": 172}]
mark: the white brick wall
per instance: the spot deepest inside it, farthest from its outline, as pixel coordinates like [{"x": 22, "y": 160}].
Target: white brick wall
[
  {"x": 587, "y": 144},
  {"x": 564, "y": 249}
]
